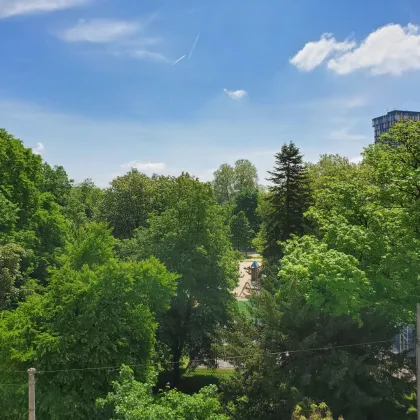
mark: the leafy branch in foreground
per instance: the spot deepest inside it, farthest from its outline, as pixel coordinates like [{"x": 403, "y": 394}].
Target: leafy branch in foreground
[{"x": 133, "y": 400}]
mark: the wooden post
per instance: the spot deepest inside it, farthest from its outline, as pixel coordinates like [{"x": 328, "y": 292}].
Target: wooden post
[
  {"x": 418, "y": 360},
  {"x": 31, "y": 394}
]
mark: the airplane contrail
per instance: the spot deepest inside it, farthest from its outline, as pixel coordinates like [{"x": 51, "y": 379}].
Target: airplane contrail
[
  {"x": 179, "y": 59},
  {"x": 193, "y": 47}
]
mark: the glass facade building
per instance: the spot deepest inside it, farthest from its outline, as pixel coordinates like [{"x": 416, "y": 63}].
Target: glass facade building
[{"x": 385, "y": 122}]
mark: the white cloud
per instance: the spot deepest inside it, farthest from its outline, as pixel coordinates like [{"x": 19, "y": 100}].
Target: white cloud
[
  {"x": 236, "y": 95},
  {"x": 10, "y": 8},
  {"x": 314, "y": 53},
  {"x": 152, "y": 167},
  {"x": 392, "y": 49},
  {"x": 150, "y": 56},
  {"x": 39, "y": 149},
  {"x": 100, "y": 31}
]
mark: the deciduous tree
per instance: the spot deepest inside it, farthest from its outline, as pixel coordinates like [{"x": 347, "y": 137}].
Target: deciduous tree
[
  {"x": 191, "y": 239},
  {"x": 246, "y": 175},
  {"x": 241, "y": 232},
  {"x": 20, "y": 176},
  {"x": 133, "y": 400},
  {"x": 96, "y": 313},
  {"x": 224, "y": 183},
  {"x": 230, "y": 181},
  {"x": 247, "y": 201}
]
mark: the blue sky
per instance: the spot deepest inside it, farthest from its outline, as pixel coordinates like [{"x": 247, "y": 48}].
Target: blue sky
[{"x": 92, "y": 84}]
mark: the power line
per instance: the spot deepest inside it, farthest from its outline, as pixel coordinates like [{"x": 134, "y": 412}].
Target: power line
[
  {"x": 335, "y": 347},
  {"x": 227, "y": 358},
  {"x": 13, "y": 384}
]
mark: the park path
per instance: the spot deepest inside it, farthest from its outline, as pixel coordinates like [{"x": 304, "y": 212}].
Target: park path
[{"x": 241, "y": 294}]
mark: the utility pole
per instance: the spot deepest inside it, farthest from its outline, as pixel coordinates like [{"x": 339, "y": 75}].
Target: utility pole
[
  {"x": 31, "y": 393},
  {"x": 418, "y": 360}
]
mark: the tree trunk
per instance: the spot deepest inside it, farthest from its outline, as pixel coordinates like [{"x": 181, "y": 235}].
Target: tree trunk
[{"x": 176, "y": 371}]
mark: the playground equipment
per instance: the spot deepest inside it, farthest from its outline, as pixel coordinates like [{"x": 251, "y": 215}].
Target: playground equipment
[{"x": 253, "y": 271}]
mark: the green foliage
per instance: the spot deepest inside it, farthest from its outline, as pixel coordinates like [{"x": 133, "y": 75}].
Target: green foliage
[
  {"x": 191, "y": 239},
  {"x": 133, "y": 400},
  {"x": 20, "y": 176},
  {"x": 247, "y": 201},
  {"x": 90, "y": 244},
  {"x": 229, "y": 181},
  {"x": 246, "y": 176},
  {"x": 354, "y": 281},
  {"x": 98, "y": 314},
  {"x": 11, "y": 278},
  {"x": 127, "y": 203},
  {"x": 341, "y": 247},
  {"x": 288, "y": 198},
  {"x": 241, "y": 231},
  {"x": 32, "y": 196},
  {"x": 8, "y": 216},
  {"x": 56, "y": 182},
  {"x": 352, "y": 380},
  {"x": 45, "y": 236},
  {"x": 311, "y": 411},
  {"x": 83, "y": 202},
  {"x": 223, "y": 184},
  {"x": 371, "y": 213},
  {"x": 329, "y": 280}
]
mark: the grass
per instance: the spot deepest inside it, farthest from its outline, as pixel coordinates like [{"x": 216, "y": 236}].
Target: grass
[
  {"x": 192, "y": 382},
  {"x": 248, "y": 258},
  {"x": 242, "y": 305}
]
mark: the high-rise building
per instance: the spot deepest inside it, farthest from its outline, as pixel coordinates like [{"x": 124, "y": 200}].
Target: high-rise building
[{"x": 383, "y": 124}]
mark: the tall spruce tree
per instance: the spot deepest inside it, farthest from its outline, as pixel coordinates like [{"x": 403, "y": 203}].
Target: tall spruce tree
[{"x": 288, "y": 198}]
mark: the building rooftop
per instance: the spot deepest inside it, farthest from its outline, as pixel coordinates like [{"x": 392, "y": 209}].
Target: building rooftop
[{"x": 398, "y": 111}]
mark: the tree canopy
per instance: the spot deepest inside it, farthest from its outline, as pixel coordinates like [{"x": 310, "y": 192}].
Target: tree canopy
[
  {"x": 104, "y": 291},
  {"x": 191, "y": 239},
  {"x": 133, "y": 400},
  {"x": 97, "y": 312},
  {"x": 229, "y": 181}
]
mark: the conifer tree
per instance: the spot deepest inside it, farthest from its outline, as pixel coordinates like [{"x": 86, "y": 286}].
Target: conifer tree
[{"x": 288, "y": 198}]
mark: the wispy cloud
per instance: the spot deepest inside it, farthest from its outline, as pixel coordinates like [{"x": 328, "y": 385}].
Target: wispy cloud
[
  {"x": 194, "y": 45},
  {"x": 178, "y": 60},
  {"x": 147, "y": 55},
  {"x": 236, "y": 95},
  {"x": 121, "y": 38},
  {"x": 220, "y": 133},
  {"x": 153, "y": 167},
  {"x": 343, "y": 134},
  {"x": 10, "y": 8},
  {"x": 391, "y": 49},
  {"x": 314, "y": 53},
  {"x": 100, "y": 31},
  {"x": 39, "y": 149}
]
